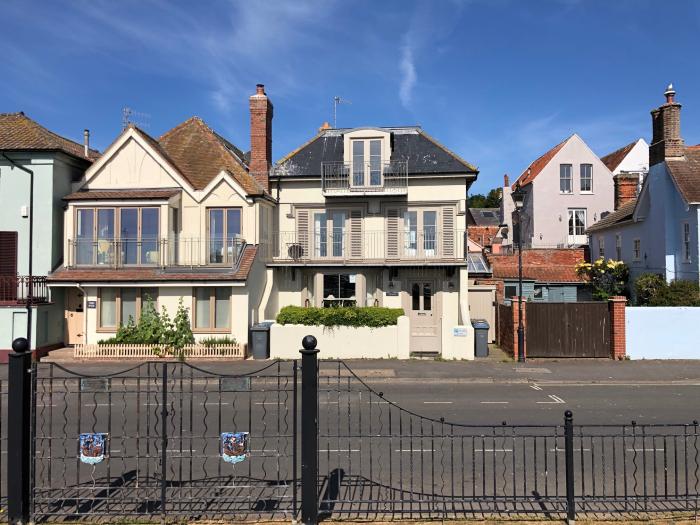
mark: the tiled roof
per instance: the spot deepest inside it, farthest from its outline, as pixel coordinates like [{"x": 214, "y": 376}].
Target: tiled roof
[
  {"x": 424, "y": 155},
  {"x": 612, "y": 160},
  {"x": 623, "y": 213},
  {"x": 19, "y": 132},
  {"x": 201, "y": 154},
  {"x": 486, "y": 216},
  {"x": 542, "y": 265},
  {"x": 686, "y": 174},
  {"x": 122, "y": 194},
  {"x": 86, "y": 275},
  {"x": 538, "y": 165}
]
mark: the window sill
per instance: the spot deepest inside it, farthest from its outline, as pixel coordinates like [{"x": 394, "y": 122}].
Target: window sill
[
  {"x": 586, "y": 193},
  {"x": 211, "y": 330},
  {"x": 566, "y": 193},
  {"x": 110, "y": 330}
]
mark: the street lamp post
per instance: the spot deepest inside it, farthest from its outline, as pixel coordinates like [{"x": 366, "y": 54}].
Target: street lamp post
[{"x": 519, "y": 199}]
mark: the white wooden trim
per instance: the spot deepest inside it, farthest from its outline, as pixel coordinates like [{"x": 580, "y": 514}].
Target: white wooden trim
[{"x": 126, "y": 351}]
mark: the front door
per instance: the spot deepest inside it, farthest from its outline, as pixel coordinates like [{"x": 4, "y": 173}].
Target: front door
[
  {"x": 75, "y": 317},
  {"x": 424, "y": 315}
]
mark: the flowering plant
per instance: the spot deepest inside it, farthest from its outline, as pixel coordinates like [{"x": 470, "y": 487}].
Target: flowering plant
[{"x": 606, "y": 277}]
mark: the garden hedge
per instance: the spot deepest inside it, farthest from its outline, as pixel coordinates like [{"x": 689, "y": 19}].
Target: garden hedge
[{"x": 372, "y": 316}]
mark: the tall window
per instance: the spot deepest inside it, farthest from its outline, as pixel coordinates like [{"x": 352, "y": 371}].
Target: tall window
[
  {"x": 329, "y": 233},
  {"x": 601, "y": 247},
  {"x": 686, "y": 242},
  {"x": 224, "y": 228},
  {"x": 586, "y": 178},
  {"x": 339, "y": 289},
  {"x": 577, "y": 221},
  {"x": 420, "y": 233},
  {"x": 410, "y": 232},
  {"x": 117, "y": 305},
  {"x": 212, "y": 309},
  {"x": 618, "y": 247},
  {"x": 565, "y": 178},
  {"x": 636, "y": 249},
  {"x": 367, "y": 162}
]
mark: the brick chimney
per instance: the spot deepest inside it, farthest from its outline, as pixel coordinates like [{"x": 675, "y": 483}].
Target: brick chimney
[
  {"x": 626, "y": 186},
  {"x": 666, "y": 129},
  {"x": 506, "y": 180},
  {"x": 260, "y": 136}
]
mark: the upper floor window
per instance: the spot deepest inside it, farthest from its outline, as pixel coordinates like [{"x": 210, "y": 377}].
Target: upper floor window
[
  {"x": 636, "y": 249},
  {"x": 366, "y": 162},
  {"x": 329, "y": 233},
  {"x": 686, "y": 242},
  {"x": 586, "y": 178},
  {"x": 224, "y": 226},
  {"x": 565, "y": 178},
  {"x": 126, "y": 235},
  {"x": 420, "y": 232},
  {"x": 601, "y": 247},
  {"x": 618, "y": 247}
]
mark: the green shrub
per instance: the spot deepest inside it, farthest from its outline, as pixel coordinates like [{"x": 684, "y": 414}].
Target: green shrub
[
  {"x": 606, "y": 278},
  {"x": 648, "y": 286},
  {"x": 372, "y": 316},
  {"x": 213, "y": 341},
  {"x": 652, "y": 290}
]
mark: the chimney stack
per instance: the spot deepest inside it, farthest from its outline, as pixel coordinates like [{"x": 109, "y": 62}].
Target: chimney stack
[
  {"x": 626, "y": 188},
  {"x": 666, "y": 141},
  {"x": 86, "y": 141},
  {"x": 506, "y": 180},
  {"x": 324, "y": 126},
  {"x": 260, "y": 136}
]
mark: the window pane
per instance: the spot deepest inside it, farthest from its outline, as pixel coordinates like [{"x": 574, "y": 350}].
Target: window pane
[
  {"x": 375, "y": 162},
  {"x": 565, "y": 178},
  {"x": 571, "y": 222},
  {"x": 201, "y": 314},
  {"x": 427, "y": 296},
  {"x": 415, "y": 296},
  {"x": 128, "y": 234},
  {"x": 429, "y": 239},
  {"x": 108, "y": 307},
  {"x": 149, "y": 236},
  {"x": 320, "y": 235},
  {"x": 358, "y": 163},
  {"x": 331, "y": 290},
  {"x": 128, "y": 304},
  {"x": 223, "y": 307},
  {"x": 85, "y": 230},
  {"x": 338, "y": 218},
  {"x": 105, "y": 236},
  {"x": 586, "y": 177},
  {"x": 346, "y": 284},
  {"x": 216, "y": 236},
  {"x": 410, "y": 227},
  {"x": 149, "y": 296}
]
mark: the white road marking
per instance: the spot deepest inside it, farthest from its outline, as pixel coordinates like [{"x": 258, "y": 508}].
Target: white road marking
[
  {"x": 493, "y": 450},
  {"x": 555, "y": 400},
  {"x": 328, "y": 402},
  {"x": 437, "y": 402},
  {"x": 645, "y": 450},
  {"x": 495, "y": 402},
  {"x": 414, "y": 450},
  {"x": 339, "y": 450},
  {"x": 575, "y": 450},
  {"x": 214, "y": 403},
  {"x": 535, "y": 387}
]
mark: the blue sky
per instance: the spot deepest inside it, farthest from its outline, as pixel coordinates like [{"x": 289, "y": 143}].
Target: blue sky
[{"x": 497, "y": 81}]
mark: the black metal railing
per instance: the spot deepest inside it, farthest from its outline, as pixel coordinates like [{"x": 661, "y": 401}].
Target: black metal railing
[
  {"x": 16, "y": 289},
  {"x": 360, "y": 456}
]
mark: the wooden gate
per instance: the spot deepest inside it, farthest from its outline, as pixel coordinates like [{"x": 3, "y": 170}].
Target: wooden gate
[{"x": 568, "y": 329}]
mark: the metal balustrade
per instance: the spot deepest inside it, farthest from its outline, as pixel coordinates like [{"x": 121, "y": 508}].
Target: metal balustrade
[
  {"x": 15, "y": 289},
  {"x": 366, "y": 178}
]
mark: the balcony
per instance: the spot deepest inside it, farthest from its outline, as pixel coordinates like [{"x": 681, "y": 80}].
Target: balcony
[
  {"x": 363, "y": 179},
  {"x": 16, "y": 289},
  {"x": 173, "y": 252},
  {"x": 367, "y": 248}
]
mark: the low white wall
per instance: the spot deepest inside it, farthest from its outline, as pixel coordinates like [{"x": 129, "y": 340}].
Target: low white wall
[
  {"x": 662, "y": 332},
  {"x": 344, "y": 342}
]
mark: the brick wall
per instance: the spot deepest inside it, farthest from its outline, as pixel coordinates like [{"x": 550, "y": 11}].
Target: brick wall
[
  {"x": 617, "y": 327},
  {"x": 482, "y": 234},
  {"x": 260, "y": 136},
  {"x": 626, "y": 185}
]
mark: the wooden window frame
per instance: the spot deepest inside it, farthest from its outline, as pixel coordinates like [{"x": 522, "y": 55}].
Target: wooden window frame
[
  {"x": 636, "y": 249},
  {"x": 366, "y": 161},
  {"x": 224, "y": 209},
  {"x": 420, "y": 232},
  {"x": 346, "y": 240},
  {"x": 212, "y": 312},
  {"x": 118, "y": 306}
]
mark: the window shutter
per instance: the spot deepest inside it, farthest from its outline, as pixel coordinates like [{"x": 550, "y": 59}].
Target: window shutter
[
  {"x": 355, "y": 234},
  {"x": 302, "y": 236},
  {"x": 392, "y": 234},
  {"x": 8, "y": 254},
  {"x": 448, "y": 232}
]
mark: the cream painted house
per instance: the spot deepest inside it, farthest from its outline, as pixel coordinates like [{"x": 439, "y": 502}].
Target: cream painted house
[
  {"x": 175, "y": 219},
  {"x": 374, "y": 216}
]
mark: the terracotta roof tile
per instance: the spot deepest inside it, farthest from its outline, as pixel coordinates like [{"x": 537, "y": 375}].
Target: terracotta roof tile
[
  {"x": 612, "y": 160},
  {"x": 543, "y": 265},
  {"x": 154, "y": 274},
  {"x": 122, "y": 194},
  {"x": 538, "y": 165},
  {"x": 19, "y": 132},
  {"x": 201, "y": 154},
  {"x": 686, "y": 174},
  {"x": 623, "y": 213}
]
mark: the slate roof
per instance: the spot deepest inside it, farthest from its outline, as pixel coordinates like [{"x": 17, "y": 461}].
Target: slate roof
[
  {"x": 613, "y": 160},
  {"x": 623, "y": 213},
  {"x": 424, "y": 154},
  {"x": 685, "y": 172},
  {"x": 19, "y": 132},
  {"x": 539, "y": 164},
  {"x": 486, "y": 216},
  {"x": 201, "y": 154},
  {"x": 122, "y": 194},
  {"x": 87, "y": 275}
]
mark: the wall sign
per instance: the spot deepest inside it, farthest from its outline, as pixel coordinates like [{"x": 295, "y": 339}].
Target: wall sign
[
  {"x": 392, "y": 294},
  {"x": 459, "y": 331},
  {"x": 92, "y": 304},
  {"x": 234, "y": 446}
]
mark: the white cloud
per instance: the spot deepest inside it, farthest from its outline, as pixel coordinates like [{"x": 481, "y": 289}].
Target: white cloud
[{"x": 408, "y": 75}]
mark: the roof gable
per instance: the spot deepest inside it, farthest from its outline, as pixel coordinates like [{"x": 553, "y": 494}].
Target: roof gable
[
  {"x": 19, "y": 132},
  {"x": 539, "y": 164},
  {"x": 614, "y": 159}
]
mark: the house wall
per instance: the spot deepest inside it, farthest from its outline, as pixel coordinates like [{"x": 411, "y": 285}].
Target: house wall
[
  {"x": 636, "y": 161},
  {"x": 545, "y": 216},
  {"x": 662, "y": 332}
]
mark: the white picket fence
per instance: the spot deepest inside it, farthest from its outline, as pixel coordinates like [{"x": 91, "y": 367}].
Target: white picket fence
[{"x": 148, "y": 352}]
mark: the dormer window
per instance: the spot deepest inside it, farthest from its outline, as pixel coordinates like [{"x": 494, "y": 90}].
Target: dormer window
[{"x": 366, "y": 162}]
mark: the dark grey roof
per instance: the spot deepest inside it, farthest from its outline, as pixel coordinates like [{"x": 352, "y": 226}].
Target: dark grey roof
[
  {"x": 425, "y": 156},
  {"x": 622, "y": 214},
  {"x": 486, "y": 216}
]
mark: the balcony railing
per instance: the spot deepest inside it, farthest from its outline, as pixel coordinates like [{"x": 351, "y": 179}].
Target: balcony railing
[
  {"x": 367, "y": 247},
  {"x": 366, "y": 178},
  {"x": 16, "y": 289},
  {"x": 143, "y": 253}
]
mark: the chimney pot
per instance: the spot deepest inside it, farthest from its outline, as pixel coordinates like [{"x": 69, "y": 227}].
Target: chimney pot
[
  {"x": 86, "y": 142},
  {"x": 506, "y": 180},
  {"x": 666, "y": 141},
  {"x": 325, "y": 125},
  {"x": 670, "y": 94},
  {"x": 260, "y": 89}
]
